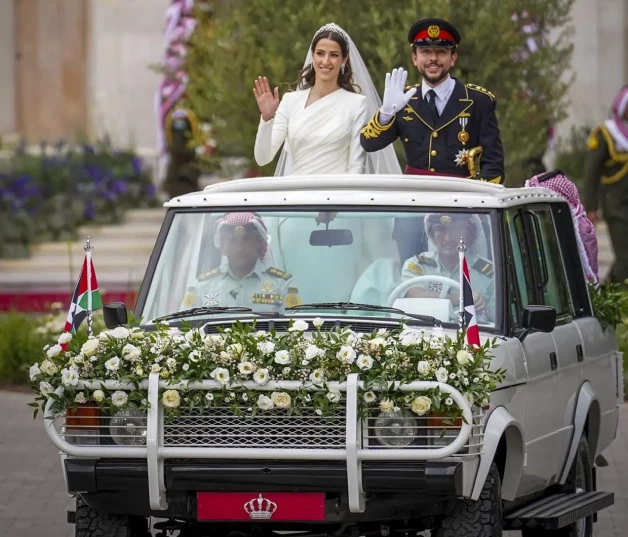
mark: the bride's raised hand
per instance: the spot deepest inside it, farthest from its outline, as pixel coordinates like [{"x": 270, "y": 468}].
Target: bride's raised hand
[{"x": 267, "y": 101}]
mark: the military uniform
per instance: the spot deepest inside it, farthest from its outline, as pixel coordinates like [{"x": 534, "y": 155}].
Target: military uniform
[
  {"x": 481, "y": 271},
  {"x": 606, "y": 185},
  {"x": 264, "y": 289}
]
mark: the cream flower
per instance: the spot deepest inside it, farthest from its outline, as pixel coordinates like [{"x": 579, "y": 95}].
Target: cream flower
[
  {"x": 119, "y": 398},
  {"x": 90, "y": 347},
  {"x": 261, "y": 376},
  {"x": 137, "y": 334},
  {"x": 66, "y": 337},
  {"x": 346, "y": 355},
  {"x": 34, "y": 371},
  {"x": 131, "y": 352},
  {"x": 365, "y": 362},
  {"x": 463, "y": 357},
  {"x": 299, "y": 326},
  {"x": 423, "y": 367},
  {"x": 281, "y": 399},
  {"x": 318, "y": 322},
  {"x": 317, "y": 377},
  {"x": 80, "y": 398},
  {"x": 171, "y": 363},
  {"x": 120, "y": 333},
  {"x": 441, "y": 375},
  {"x": 334, "y": 396},
  {"x": 53, "y": 351},
  {"x": 70, "y": 377},
  {"x": 155, "y": 368},
  {"x": 99, "y": 396},
  {"x": 220, "y": 375},
  {"x": 386, "y": 405},
  {"x": 369, "y": 397},
  {"x": 282, "y": 357},
  {"x": 421, "y": 405},
  {"x": 264, "y": 402},
  {"x": 48, "y": 368},
  {"x": 235, "y": 349},
  {"x": 45, "y": 388},
  {"x": 246, "y": 368},
  {"x": 113, "y": 364},
  {"x": 171, "y": 399},
  {"x": 312, "y": 351},
  {"x": 377, "y": 342},
  {"x": 185, "y": 367},
  {"x": 266, "y": 347}
]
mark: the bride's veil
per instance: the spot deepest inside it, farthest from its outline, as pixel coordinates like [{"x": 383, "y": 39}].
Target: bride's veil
[{"x": 380, "y": 162}]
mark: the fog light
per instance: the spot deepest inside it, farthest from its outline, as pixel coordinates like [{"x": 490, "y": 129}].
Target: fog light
[
  {"x": 393, "y": 429},
  {"x": 128, "y": 428}
]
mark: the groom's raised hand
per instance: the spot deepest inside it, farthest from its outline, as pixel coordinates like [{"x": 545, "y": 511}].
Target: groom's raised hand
[
  {"x": 394, "y": 96},
  {"x": 267, "y": 101}
]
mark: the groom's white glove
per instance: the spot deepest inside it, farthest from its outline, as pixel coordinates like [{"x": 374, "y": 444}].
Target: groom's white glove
[{"x": 394, "y": 97}]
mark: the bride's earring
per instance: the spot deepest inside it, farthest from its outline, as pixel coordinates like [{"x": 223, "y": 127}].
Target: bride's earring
[{"x": 342, "y": 68}]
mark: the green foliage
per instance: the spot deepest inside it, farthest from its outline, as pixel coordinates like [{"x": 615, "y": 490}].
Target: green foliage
[
  {"x": 610, "y": 303},
  {"x": 241, "y": 40}
]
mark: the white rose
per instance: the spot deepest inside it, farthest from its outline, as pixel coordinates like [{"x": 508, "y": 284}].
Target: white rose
[
  {"x": 99, "y": 396},
  {"x": 80, "y": 398},
  {"x": 69, "y": 377},
  {"x": 346, "y": 354},
  {"x": 369, "y": 397},
  {"x": 318, "y": 322},
  {"x": 235, "y": 348},
  {"x": 317, "y": 377},
  {"x": 311, "y": 352},
  {"x": 119, "y": 398},
  {"x": 131, "y": 352},
  {"x": 113, "y": 364},
  {"x": 468, "y": 397},
  {"x": 334, "y": 396},
  {"x": 411, "y": 338},
  {"x": 365, "y": 362},
  {"x": 48, "y": 368},
  {"x": 104, "y": 336},
  {"x": 264, "y": 402},
  {"x": 282, "y": 357},
  {"x": 441, "y": 374},
  {"x": 386, "y": 405},
  {"x": 137, "y": 334},
  {"x": 185, "y": 367},
  {"x": 120, "y": 333},
  {"x": 299, "y": 326},
  {"x": 377, "y": 342},
  {"x": 421, "y": 405},
  {"x": 281, "y": 399},
  {"x": 266, "y": 347},
  {"x": 246, "y": 368},
  {"x": 423, "y": 367},
  {"x": 463, "y": 357},
  {"x": 45, "y": 388},
  {"x": 34, "y": 371},
  {"x": 171, "y": 363},
  {"x": 220, "y": 375},
  {"x": 90, "y": 347},
  {"x": 171, "y": 399},
  {"x": 155, "y": 368},
  {"x": 53, "y": 351},
  {"x": 261, "y": 376},
  {"x": 66, "y": 337}
]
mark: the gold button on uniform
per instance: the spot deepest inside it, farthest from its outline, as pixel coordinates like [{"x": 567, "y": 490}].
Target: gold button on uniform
[
  {"x": 434, "y": 135},
  {"x": 432, "y": 170},
  {"x": 433, "y": 152},
  {"x": 406, "y": 140}
]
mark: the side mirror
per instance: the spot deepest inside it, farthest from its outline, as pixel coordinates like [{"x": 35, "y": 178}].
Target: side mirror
[
  {"x": 114, "y": 314},
  {"x": 331, "y": 237},
  {"x": 538, "y": 319}
]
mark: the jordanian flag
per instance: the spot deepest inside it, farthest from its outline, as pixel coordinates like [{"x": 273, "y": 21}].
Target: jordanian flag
[{"x": 86, "y": 296}]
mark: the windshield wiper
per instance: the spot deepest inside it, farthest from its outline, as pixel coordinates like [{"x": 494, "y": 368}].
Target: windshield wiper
[
  {"x": 217, "y": 309},
  {"x": 427, "y": 319}
]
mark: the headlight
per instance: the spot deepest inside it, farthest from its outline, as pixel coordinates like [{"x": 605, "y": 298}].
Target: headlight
[
  {"x": 393, "y": 429},
  {"x": 128, "y": 428}
]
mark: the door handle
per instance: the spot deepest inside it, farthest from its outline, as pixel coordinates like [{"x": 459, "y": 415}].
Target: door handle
[
  {"x": 579, "y": 352},
  {"x": 553, "y": 361}
]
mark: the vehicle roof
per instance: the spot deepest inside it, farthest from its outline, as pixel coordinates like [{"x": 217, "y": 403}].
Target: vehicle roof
[{"x": 363, "y": 190}]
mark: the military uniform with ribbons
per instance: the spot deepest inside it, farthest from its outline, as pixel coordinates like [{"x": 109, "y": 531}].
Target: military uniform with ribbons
[
  {"x": 606, "y": 188},
  {"x": 264, "y": 289}
]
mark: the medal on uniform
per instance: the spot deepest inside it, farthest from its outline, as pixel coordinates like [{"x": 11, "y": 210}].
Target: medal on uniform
[
  {"x": 268, "y": 287},
  {"x": 272, "y": 299},
  {"x": 462, "y": 157},
  {"x": 212, "y": 299},
  {"x": 463, "y": 135}
]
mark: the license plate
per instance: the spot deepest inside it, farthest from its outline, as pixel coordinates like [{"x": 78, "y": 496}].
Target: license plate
[{"x": 261, "y": 507}]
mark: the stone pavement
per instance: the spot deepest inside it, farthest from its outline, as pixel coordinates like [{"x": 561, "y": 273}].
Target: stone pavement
[{"x": 33, "y": 502}]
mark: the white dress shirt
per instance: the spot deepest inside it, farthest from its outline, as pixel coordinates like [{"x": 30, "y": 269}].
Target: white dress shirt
[{"x": 443, "y": 92}]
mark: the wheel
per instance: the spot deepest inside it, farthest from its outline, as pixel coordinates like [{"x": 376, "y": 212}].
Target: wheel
[
  {"x": 481, "y": 518},
  {"x": 580, "y": 479},
  {"x": 90, "y": 523}
]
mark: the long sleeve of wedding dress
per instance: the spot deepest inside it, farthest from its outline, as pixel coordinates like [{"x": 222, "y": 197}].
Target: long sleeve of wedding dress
[{"x": 272, "y": 134}]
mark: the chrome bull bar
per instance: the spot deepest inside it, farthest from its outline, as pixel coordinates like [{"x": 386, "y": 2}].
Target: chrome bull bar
[{"x": 352, "y": 454}]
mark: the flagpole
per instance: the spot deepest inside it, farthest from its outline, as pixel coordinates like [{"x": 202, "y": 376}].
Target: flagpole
[
  {"x": 461, "y": 250},
  {"x": 88, "y": 255}
]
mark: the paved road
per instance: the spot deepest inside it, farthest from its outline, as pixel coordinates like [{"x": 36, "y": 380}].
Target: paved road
[{"x": 33, "y": 502}]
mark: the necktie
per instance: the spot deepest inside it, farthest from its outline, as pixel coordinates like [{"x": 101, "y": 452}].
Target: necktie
[{"x": 432, "y": 105}]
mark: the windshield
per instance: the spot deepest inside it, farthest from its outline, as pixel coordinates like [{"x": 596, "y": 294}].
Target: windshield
[{"x": 269, "y": 261}]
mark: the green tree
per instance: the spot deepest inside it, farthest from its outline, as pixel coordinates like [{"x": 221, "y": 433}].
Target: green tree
[{"x": 239, "y": 40}]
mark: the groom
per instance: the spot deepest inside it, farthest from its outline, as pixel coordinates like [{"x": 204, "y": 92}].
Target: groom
[{"x": 441, "y": 119}]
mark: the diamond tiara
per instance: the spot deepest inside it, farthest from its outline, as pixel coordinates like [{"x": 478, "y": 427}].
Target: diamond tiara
[{"x": 333, "y": 27}]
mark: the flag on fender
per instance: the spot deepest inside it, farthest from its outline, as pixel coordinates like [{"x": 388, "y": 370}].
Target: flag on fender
[
  {"x": 86, "y": 296},
  {"x": 467, "y": 305}
]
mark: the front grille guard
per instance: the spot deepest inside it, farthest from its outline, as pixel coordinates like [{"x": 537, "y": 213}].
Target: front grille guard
[{"x": 352, "y": 453}]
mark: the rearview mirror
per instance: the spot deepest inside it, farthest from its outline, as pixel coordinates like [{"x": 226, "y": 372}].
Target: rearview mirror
[
  {"x": 537, "y": 319},
  {"x": 331, "y": 237},
  {"x": 114, "y": 314}
]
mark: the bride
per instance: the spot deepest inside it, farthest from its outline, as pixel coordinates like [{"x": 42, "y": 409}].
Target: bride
[{"x": 319, "y": 126}]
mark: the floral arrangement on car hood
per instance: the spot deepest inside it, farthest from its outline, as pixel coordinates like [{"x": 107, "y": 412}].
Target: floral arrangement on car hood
[{"x": 241, "y": 359}]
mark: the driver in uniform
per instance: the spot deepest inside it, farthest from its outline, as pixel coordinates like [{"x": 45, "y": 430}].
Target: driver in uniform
[
  {"x": 445, "y": 231},
  {"x": 243, "y": 278}
]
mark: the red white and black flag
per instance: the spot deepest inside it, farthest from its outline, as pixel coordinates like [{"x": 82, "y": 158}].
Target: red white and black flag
[{"x": 467, "y": 305}]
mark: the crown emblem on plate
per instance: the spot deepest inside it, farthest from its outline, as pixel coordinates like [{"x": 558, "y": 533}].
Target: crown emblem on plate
[{"x": 260, "y": 508}]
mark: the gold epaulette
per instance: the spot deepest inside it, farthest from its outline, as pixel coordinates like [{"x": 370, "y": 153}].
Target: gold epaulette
[
  {"x": 427, "y": 260},
  {"x": 279, "y": 273},
  {"x": 485, "y": 267},
  {"x": 481, "y": 90},
  {"x": 209, "y": 274},
  {"x": 373, "y": 128}
]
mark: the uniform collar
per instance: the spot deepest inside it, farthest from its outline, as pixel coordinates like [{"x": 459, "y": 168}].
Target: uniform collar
[
  {"x": 443, "y": 90},
  {"x": 258, "y": 269}
]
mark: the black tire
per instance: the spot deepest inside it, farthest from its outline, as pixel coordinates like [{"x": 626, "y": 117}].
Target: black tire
[
  {"x": 481, "y": 518},
  {"x": 580, "y": 476},
  {"x": 91, "y": 523}
]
